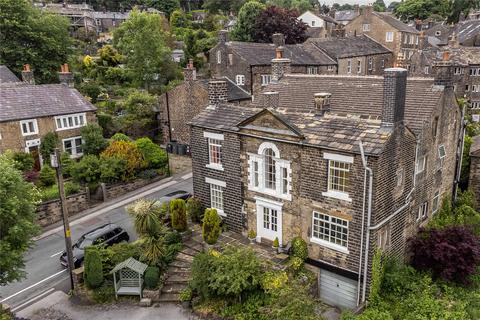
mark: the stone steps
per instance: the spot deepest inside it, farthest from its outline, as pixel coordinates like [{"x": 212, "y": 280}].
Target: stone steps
[
  {"x": 175, "y": 278},
  {"x": 169, "y": 297},
  {"x": 180, "y": 264},
  {"x": 173, "y": 288},
  {"x": 189, "y": 252},
  {"x": 184, "y": 257}
]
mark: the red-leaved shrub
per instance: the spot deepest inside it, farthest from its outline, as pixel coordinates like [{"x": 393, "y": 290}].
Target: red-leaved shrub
[{"x": 451, "y": 254}]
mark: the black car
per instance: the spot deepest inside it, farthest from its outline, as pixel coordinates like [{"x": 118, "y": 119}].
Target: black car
[
  {"x": 106, "y": 235},
  {"x": 180, "y": 194}
]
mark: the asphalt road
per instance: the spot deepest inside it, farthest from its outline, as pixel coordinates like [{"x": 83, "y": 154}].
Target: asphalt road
[{"x": 44, "y": 272}]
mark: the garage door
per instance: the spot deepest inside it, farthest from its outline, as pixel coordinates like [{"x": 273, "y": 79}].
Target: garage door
[{"x": 337, "y": 290}]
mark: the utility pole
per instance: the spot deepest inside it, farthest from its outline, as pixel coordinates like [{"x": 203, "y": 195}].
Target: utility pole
[{"x": 55, "y": 162}]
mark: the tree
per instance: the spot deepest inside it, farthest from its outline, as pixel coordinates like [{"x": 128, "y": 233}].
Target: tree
[
  {"x": 222, "y": 6},
  {"x": 145, "y": 215},
  {"x": 29, "y": 35},
  {"x": 129, "y": 152},
  {"x": 18, "y": 200},
  {"x": 142, "y": 40},
  {"x": 452, "y": 254},
  {"x": 247, "y": 16},
  {"x": 459, "y": 7},
  {"x": 301, "y": 5},
  {"x": 392, "y": 6},
  {"x": 275, "y": 19},
  {"x": 211, "y": 226},
  {"x": 93, "y": 267},
  {"x": 93, "y": 140},
  {"x": 379, "y": 6},
  {"x": 138, "y": 116},
  {"x": 152, "y": 153},
  {"x": 166, "y": 6},
  {"x": 48, "y": 144},
  {"x": 109, "y": 56},
  {"x": 178, "y": 212},
  {"x": 421, "y": 9}
]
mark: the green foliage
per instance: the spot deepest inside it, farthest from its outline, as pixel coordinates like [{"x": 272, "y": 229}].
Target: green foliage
[
  {"x": 152, "y": 274},
  {"x": 379, "y": 6},
  {"x": 91, "y": 89},
  {"x": 87, "y": 171},
  {"x": 377, "y": 277},
  {"x": 109, "y": 56},
  {"x": 421, "y": 9},
  {"x": 113, "y": 169},
  {"x": 33, "y": 36},
  {"x": 276, "y": 244},
  {"x": 93, "y": 140},
  {"x": 152, "y": 153},
  {"x": 153, "y": 249},
  {"x": 247, "y": 16},
  {"x": 178, "y": 212},
  {"x": 194, "y": 209},
  {"x": 129, "y": 152},
  {"x": 48, "y": 144},
  {"x": 23, "y": 161},
  {"x": 211, "y": 226},
  {"x": 185, "y": 294},
  {"x": 67, "y": 164},
  {"x": 120, "y": 137},
  {"x": 299, "y": 248},
  {"x": 51, "y": 193},
  {"x": 93, "y": 267},
  {"x": 138, "y": 114},
  {"x": 252, "y": 234},
  {"x": 105, "y": 293},
  {"x": 167, "y": 6},
  {"x": 18, "y": 200},
  {"x": 146, "y": 217},
  {"x": 47, "y": 176},
  {"x": 142, "y": 40}
]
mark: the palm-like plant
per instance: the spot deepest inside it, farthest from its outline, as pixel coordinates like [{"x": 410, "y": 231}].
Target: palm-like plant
[
  {"x": 146, "y": 217},
  {"x": 153, "y": 249}
]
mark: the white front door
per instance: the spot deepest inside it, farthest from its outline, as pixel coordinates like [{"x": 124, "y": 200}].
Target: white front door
[{"x": 269, "y": 219}]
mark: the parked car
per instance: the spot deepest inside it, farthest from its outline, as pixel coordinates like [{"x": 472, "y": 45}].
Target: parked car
[
  {"x": 107, "y": 235},
  {"x": 180, "y": 194}
]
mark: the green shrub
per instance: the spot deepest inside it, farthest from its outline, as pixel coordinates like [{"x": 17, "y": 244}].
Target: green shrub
[
  {"x": 93, "y": 140},
  {"x": 67, "y": 164},
  {"x": 104, "y": 293},
  {"x": 129, "y": 152},
  {"x": 152, "y": 153},
  {"x": 49, "y": 193},
  {"x": 173, "y": 237},
  {"x": 202, "y": 271},
  {"x": 113, "y": 169},
  {"x": 47, "y": 145},
  {"x": 120, "y": 137},
  {"x": 299, "y": 248},
  {"x": 71, "y": 188},
  {"x": 152, "y": 274},
  {"x": 87, "y": 171},
  {"x": 148, "y": 174},
  {"x": 178, "y": 212},
  {"x": 23, "y": 161},
  {"x": 93, "y": 268},
  {"x": 185, "y": 294},
  {"x": 194, "y": 209},
  {"x": 276, "y": 243},
  {"x": 47, "y": 176},
  {"x": 211, "y": 226}
]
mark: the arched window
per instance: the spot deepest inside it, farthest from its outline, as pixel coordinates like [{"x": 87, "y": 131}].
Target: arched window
[{"x": 270, "y": 173}]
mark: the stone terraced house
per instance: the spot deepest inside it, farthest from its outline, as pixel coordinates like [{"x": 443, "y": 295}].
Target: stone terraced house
[
  {"x": 349, "y": 163},
  {"x": 29, "y": 111}
]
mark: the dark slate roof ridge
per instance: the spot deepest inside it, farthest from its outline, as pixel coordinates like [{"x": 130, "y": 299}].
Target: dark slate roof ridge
[
  {"x": 7, "y": 76},
  {"x": 394, "y": 22},
  {"x": 347, "y": 47},
  {"x": 247, "y": 95}
]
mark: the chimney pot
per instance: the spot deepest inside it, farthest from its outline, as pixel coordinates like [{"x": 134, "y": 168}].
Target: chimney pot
[
  {"x": 280, "y": 65},
  {"x": 394, "y": 92},
  {"x": 271, "y": 99},
  {"x": 27, "y": 74},
  {"x": 322, "y": 102},
  {"x": 279, "y": 53},
  {"x": 446, "y": 56},
  {"x": 65, "y": 76},
  {"x": 190, "y": 73}
]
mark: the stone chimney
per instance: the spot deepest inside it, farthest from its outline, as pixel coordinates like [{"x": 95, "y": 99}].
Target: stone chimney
[
  {"x": 65, "y": 76},
  {"x": 217, "y": 92},
  {"x": 443, "y": 71},
  {"x": 394, "y": 92},
  {"x": 368, "y": 10},
  {"x": 422, "y": 41},
  {"x": 278, "y": 39},
  {"x": 190, "y": 73},
  {"x": 280, "y": 65},
  {"x": 356, "y": 8},
  {"x": 339, "y": 31},
  {"x": 453, "y": 41},
  {"x": 322, "y": 102},
  {"x": 270, "y": 99},
  {"x": 27, "y": 74},
  {"x": 222, "y": 36}
]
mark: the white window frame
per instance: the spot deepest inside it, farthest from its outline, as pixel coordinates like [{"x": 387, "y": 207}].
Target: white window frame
[
  {"x": 359, "y": 66},
  {"x": 411, "y": 39},
  {"x": 335, "y": 193},
  {"x": 426, "y": 70},
  {"x": 457, "y": 70},
  {"x": 442, "y": 154},
  {"x": 475, "y": 105},
  {"x": 219, "y": 186},
  {"x": 366, "y": 27},
  {"x": 421, "y": 164},
  {"x": 475, "y": 88},
  {"x": 219, "y": 57},
  {"x": 313, "y": 23},
  {"x": 328, "y": 243},
  {"x": 240, "y": 80},
  {"x": 436, "y": 202},
  {"x": 389, "y": 36},
  {"x": 215, "y": 139},
  {"x": 370, "y": 64},
  {"x": 312, "y": 70},
  {"x": 422, "y": 211},
  {"x": 330, "y": 67},
  {"x": 349, "y": 66},
  {"x": 265, "y": 79},
  {"x": 27, "y": 125},
  {"x": 74, "y": 153},
  {"x": 75, "y": 118}
]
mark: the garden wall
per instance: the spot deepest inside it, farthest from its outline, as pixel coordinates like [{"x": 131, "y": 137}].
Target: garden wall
[
  {"x": 49, "y": 212},
  {"x": 116, "y": 190}
]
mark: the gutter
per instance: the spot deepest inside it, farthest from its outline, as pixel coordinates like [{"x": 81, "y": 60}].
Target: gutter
[
  {"x": 460, "y": 149},
  {"x": 361, "y": 235}
]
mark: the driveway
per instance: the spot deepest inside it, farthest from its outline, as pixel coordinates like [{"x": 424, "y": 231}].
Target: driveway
[{"x": 58, "y": 306}]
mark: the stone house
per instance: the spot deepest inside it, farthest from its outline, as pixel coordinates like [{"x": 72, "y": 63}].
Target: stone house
[
  {"x": 467, "y": 33},
  {"x": 107, "y": 21},
  {"x": 248, "y": 64},
  {"x": 400, "y": 38},
  {"x": 29, "y": 111},
  {"x": 360, "y": 55},
  {"x": 345, "y": 16},
  {"x": 319, "y": 25},
  {"x": 181, "y": 104},
  {"x": 349, "y": 163}
]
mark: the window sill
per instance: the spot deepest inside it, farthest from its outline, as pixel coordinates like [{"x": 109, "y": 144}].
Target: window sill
[
  {"x": 272, "y": 193},
  {"x": 29, "y": 134},
  {"x": 329, "y": 245},
  {"x": 214, "y": 166},
  {"x": 337, "y": 195}
]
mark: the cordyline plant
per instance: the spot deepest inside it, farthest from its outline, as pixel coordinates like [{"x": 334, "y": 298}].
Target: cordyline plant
[{"x": 451, "y": 254}]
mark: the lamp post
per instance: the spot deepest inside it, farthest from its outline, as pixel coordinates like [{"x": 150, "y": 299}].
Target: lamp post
[{"x": 55, "y": 162}]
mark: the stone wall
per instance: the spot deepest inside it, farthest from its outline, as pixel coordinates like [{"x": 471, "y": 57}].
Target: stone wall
[
  {"x": 117, "y": 190},
  {"x": 377, "y": 68},
  {"x": 50, "y": 212}
]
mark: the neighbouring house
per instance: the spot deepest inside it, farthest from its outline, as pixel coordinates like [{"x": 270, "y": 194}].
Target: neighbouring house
[
  {"x": 438, "y": 34},
  {"x": 181, "y": 104},
  {"x": 7, "y": 76},
  {"x": 349, "y": 163},
  {"x": 345, "y": 16},
  {"x": 248, "y": 64},
  {"x": 29, "y": 111},
  {"x": 319, "y": 25},
  {"x": 400, "y": 38},
  {"x": 360, "y": 55},
  {"x": 467, "y": 33},
  {"x": 473, "y": 14},
  {"x": 107, "y": 21}
]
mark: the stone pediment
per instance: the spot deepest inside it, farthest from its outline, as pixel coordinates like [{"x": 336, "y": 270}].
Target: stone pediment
[{"x": 270, "y": 123}]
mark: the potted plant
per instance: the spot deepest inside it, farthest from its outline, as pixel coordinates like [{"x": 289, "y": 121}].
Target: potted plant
[
  {"x": 186, "y": 297},
  {"x": 276, "y": 244},
  {"x": 211, "y": 227},
  {"x": 252, "y": 236}
]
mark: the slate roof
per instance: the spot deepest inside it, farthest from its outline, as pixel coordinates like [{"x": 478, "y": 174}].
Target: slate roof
[
  {"x": 263, "y": 53},
  {"x": 345, "y": 15},
  {"x": 234, "y": 92},
  {"x": 394, "y": 22},
  {"x": 350, "y": 46},
  {"x": 22, "y": 101},
  {"x": 324, "y": 17},
  {"x": 7, "y": 76},
  {"x": 359, "y": 95},
  {"x": 465, "y": 30}
]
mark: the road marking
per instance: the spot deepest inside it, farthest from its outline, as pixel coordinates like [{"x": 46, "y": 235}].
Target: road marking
[
  {"x": 187, "y": 176},
  {"x": 108, "y": 208},
  {"x": 56, "y": 254},
  {"x": 33, "y": 299},
  {"x": 33, "y": 285}
]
